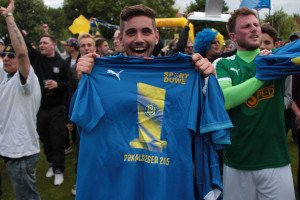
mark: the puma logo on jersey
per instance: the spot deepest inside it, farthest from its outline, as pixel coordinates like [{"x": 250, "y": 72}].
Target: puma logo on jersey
[
  {"x": 235, "y": 70},
  {"x": 109, "y": 71}
]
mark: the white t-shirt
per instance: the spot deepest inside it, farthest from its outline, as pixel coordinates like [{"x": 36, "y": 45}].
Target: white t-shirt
[
  {"x": 2, "y": 73},
  {"x": 19, "y": 105}
]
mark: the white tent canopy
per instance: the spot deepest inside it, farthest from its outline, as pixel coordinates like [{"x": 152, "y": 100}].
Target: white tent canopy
[{"x": 213, "y": 9}]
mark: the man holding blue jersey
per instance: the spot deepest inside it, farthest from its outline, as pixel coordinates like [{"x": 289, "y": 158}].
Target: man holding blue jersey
[
  {"x": 139, "y": 37},
  {"x": 257, "y": 164},
  {"x": 138, "y": 133}
]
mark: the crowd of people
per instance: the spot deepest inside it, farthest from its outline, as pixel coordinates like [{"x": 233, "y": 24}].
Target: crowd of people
[{"x": 40, "y": 104}]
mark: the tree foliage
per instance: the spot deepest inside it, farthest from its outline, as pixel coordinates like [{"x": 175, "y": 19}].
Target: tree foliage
[
  {"x": 29, "y": 15},
  {"x": 109, "y": 11},
  {"x": 73, "y": 8},
  {"x": 284, "y": 24}
]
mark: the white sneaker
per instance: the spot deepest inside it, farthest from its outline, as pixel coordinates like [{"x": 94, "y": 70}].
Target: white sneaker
[
  {"x": 58, "y": 178},
  {"x": 68, "y": 150},
  {"x": 50, "y": 172},
  {"x": 73, "y": 191}
]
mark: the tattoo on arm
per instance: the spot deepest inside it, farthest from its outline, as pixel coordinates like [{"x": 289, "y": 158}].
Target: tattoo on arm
[{"x": 17, "y": 32}]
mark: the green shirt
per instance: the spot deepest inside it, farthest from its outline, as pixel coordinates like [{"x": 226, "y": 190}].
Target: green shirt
[{"x": 258, "y": 136}]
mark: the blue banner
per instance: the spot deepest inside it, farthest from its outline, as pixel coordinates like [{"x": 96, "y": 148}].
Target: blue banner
[{"x": 256, "y": 4}]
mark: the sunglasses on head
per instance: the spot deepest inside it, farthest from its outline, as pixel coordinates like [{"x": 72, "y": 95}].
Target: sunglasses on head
[{"x": 10, "y": 55}]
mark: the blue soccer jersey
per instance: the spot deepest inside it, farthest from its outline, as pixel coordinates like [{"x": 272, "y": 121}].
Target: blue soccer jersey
[
  {"x": 280, "y": 64},
  {"x": 138, "y": 119}
]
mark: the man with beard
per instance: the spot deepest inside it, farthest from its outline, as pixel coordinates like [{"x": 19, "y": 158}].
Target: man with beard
[{"x": 257, "y": 164}]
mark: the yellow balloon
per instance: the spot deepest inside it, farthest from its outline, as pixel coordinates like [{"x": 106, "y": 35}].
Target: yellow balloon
[{"x": 80, "y": 25}]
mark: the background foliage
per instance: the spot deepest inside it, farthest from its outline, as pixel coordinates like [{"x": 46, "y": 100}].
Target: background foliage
[{"x": 30, "y": 15}]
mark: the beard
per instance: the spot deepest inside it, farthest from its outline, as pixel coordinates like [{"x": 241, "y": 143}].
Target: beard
[{"x": 248, "y": 46}]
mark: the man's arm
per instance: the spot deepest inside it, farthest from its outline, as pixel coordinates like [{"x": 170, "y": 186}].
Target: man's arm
[
  {"x": 238, "y": 94},
  {"x": 183, "y": 38},
  {"x": 85, "y": 64},
  {"x": 17, "y": 40}
]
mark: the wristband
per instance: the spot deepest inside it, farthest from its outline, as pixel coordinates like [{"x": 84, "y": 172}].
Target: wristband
[{"x": 8, "y": 14}]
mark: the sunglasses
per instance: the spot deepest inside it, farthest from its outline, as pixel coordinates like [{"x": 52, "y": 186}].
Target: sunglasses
[
  {"x": 214, "y": 42},
  {"x": 9, "y": 54}
]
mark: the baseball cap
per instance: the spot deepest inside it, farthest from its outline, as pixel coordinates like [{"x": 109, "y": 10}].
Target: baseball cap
[
  {"x": 295, "y": 36},
  {"x": 9, "y": 49},
  {"x": 72, "y": 42}
]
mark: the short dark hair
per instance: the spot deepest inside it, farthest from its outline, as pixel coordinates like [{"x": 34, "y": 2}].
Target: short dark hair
[
  {"x": 99, "y": 41},
  {"x": 133, "y": 11},
  {"x": 270, "y": 30},
  {"x": 239, "y": 12},
  {"x": 52, "y": 38}
]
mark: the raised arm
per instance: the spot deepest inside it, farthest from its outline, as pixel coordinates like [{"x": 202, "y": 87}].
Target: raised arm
[{"x": 17, "y": 40}]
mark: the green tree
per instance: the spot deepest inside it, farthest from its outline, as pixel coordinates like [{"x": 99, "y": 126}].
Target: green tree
[
  {"x": 109, "y": 11},
  {"x": 57, "y": 22},
  {"x": 73, "y": 8},
  {"x": 29, "y": 15},
  {"x": 284, "y": 24},
  {"x": 199, "y": 6}
]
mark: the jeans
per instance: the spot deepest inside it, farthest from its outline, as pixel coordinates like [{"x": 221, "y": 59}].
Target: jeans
[{"x": 22, "y": 173}]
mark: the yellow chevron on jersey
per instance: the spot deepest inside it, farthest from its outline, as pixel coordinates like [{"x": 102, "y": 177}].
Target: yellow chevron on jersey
[{"x": 151, "y": 105}]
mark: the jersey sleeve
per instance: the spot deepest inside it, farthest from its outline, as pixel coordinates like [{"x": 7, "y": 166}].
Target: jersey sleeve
[
  {"x": 194, "y": 107},
  {"x": 86, "y": 109},
  {"x": 214, "y": 116},
  {"x": 222, "y": 71}
]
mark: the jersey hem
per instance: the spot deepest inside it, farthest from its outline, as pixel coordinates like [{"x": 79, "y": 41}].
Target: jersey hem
[{"x": 266, "y": 166}]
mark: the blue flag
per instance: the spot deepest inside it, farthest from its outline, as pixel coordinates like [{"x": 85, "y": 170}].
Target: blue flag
[{"x": 256, "y": 4}]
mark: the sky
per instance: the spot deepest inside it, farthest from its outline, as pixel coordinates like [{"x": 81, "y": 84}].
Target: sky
[{"x": 289, "y": 6}]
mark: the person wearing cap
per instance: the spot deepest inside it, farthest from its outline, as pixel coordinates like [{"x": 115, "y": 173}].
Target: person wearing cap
[
  {"x": 20, "y": 97},
  {"x": 54, "y": 76},
  {"x": 2, "y": 45},
  {"x": 72, "y": 49},
  {"x": 295, "y": 36}
]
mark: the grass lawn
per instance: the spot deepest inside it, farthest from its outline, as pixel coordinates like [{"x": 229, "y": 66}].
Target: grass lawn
[
  {"x": 63, "y": 192},
  {"x": 294, "y": 159},
  {"x": 45, "y": 185}
]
